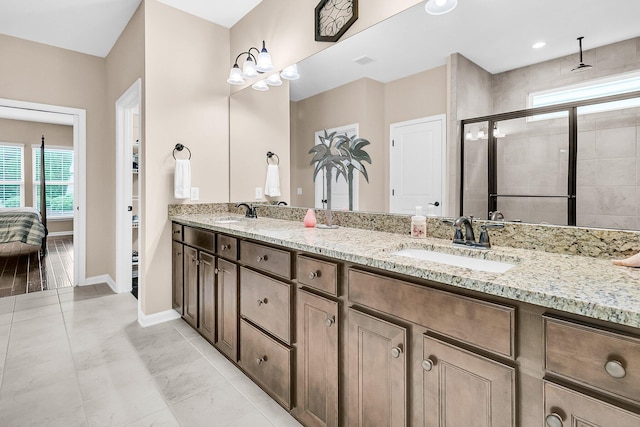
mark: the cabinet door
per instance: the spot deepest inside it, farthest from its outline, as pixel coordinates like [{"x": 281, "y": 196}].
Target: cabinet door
[
  {"x": 227, "y": 325},
  {"x": 462, "y": 389},
  {"x": 377, "y": 372},
  {"x": 565, "y": 407},
  {"x": 177, "y": 281},
  {"x": 207, "y": 296},
  {"x": 190, "y": 286},
  {"x": 317, "y": 360}
]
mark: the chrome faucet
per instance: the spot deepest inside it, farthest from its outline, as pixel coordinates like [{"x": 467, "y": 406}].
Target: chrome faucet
[{"x": 251, "y": 210}]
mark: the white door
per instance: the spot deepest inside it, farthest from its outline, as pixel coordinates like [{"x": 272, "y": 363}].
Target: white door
[
  {"x": 417, "y": 165},
  {"x": 339, "y": 189}
]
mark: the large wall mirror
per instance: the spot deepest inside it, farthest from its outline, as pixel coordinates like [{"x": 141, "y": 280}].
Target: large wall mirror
[{"x": 414, "y": 67}]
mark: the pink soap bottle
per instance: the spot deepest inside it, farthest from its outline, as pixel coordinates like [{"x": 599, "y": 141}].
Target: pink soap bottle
[{"x": 310, "y": 218}]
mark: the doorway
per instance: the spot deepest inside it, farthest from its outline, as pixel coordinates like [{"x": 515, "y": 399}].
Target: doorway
[
  {"x": 55, "y": 114},
  {"x": 417, "y": 165}
]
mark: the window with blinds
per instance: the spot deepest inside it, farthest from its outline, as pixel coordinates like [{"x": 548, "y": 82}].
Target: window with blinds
[
  {"x": 59, "y": 181},
  {"x": 11, "y": 175}
]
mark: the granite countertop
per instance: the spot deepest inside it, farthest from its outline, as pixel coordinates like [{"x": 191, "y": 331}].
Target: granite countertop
[{"x": 586, "y": 286}]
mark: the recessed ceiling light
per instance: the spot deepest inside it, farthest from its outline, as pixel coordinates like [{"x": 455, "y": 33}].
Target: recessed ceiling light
[
  {"x": 538, "y": 45},
  {"x": 440, "y": 7}
]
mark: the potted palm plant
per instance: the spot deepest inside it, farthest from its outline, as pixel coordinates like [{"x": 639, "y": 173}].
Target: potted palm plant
[{"x": 331, "y": 155}]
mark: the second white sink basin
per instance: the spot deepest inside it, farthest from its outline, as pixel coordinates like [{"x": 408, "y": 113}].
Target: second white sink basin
[{"x": 456, "y": 260}]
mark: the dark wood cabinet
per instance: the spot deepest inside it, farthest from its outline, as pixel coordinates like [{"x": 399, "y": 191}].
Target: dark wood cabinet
[
  {"x": 377, "y": 372},
  {"x": 207, "y": 296},
  {"x": 566, "y": 407},
  {"x": 462, "y": 389},
  {"x": 227, "y": 321},
  {"x": 190, "y": 287},
  {"x": 177, "y": 282},
  {"x": 317, "y": 360}
]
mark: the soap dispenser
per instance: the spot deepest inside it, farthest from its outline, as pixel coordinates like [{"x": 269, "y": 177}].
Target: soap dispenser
[{"x": 419, "y": 224}]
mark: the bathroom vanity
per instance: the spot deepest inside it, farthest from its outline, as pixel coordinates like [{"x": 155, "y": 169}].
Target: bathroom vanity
[{"x": 341, "y": 328}]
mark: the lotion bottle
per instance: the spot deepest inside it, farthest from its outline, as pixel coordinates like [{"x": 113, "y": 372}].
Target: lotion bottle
[{"x": 419, "y": 224}]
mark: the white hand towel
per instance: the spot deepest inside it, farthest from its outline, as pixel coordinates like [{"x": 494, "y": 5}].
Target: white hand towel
[
  {"x": 272, "y": 184},
  {"x": 182, "y": 179}
]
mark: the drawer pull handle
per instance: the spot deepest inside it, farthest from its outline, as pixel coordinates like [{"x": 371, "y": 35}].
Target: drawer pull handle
[
  {"x": 329, "y": 321},
  {"x": 313, "y": 275},
  {"x": 554, "y": 420},
  {"x": 224, "y": 247},
  {"x": 615, "y": 369},
  {"x": 261, "y": 258},
  {"x": 262, "y": 301},
  {"x": 427, "y": 364},
  {"x": 261, "y": 360},
  {"x": 396, "y": 352}
]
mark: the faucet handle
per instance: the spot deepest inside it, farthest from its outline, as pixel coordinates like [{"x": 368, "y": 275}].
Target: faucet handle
[
  {"x": 448, "y": 221},
  {"x": 483, "y": 240}
]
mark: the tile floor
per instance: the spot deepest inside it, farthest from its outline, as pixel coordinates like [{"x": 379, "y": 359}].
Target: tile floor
[{"x": 77, "y": 357}]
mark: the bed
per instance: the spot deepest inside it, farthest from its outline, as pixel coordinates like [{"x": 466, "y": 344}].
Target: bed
[{"x": 24, "y": 230}]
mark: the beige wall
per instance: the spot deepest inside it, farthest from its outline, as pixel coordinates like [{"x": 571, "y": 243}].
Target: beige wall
[
  {"x": 259, "y": 122},
  {"x": 28, "y": 134},
  {"x": 35, "y": 72},
  {"x": 374, "y": 106},
  {"x": 186, "y": 101},
  {"x": 287, "y": 26}
]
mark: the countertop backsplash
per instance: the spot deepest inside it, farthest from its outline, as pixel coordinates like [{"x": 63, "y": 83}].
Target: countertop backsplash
[{"x": 590, "y": 242}]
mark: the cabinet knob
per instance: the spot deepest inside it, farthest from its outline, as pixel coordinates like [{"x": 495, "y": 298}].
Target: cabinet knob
[
  {"x": 262, "y": 301},
  {"x": 329, "y": 321},
  {"x": 174, "y": 231},
  {"x": 179, "y": 253},
  {"x": 224, "y": 247},
  {"x": 427, "y": 364},
  {"x": 216, "y": 271},
  {"x": 261, "y": 360},
  {"x": 261, "y": 258},
  {"x": 615, "y": 368},
  {"x": 553, "y": 420},
  {"x": 313, "y": 275},
  {"x": 396, "y": 352}
]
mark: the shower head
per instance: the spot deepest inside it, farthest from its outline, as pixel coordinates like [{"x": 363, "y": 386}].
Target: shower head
[{"x": 581, "y": 66}]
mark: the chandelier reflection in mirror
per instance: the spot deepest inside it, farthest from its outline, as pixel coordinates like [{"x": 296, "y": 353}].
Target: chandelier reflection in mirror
[{"x": 256, "y": 65}]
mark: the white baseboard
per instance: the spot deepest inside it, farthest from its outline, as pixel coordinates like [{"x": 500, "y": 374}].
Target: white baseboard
[
  {"x": 96, "y": 280},
  {"x": 153, "y": 319},
  {"x": 60, "y": 233}
]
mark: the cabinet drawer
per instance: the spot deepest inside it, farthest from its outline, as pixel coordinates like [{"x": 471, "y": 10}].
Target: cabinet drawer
[
  {"x": 317, "y": 274},
  {"x": 227, "y": 247},
  {"x": 266, "y": 302},
  {"x": 176, "y": 232},
  {"x": 567, "y": 407},
  {"x": 483, "y": 324},
  {"x": 200, "y": 239},
  {"x": 265, "y": 258},
  {"x": 605, "y": 360},
  {"x": 267, "y": 361}
]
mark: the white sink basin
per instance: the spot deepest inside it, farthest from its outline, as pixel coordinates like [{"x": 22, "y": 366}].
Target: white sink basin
[
  {"x": 226, "y": 221},
  {"x": 456, "y": 260}
]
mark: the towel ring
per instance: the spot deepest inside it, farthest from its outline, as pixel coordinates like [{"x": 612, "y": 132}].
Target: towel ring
[
  {"x": 180, "y": 147},
  {"x": 270, "y": 155}
]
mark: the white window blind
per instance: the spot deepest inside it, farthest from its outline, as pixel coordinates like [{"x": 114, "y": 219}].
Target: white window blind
[
  {"x": 59, "y": 181},
  {"x": 11, "y": 176}
]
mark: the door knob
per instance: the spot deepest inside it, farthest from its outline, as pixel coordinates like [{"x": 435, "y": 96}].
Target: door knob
[
  {"x": 396, "y": 352},
  {"x": 553, "y": 420},
  {"x": 129, "y": 208}
]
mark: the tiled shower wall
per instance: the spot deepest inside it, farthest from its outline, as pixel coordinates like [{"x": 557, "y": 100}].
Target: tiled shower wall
[{"x": 533, "y": 156}]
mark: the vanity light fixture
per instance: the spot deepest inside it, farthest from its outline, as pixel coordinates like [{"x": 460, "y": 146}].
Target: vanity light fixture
[
  {"x": 496, "y": 131},
  {"x": 581, "y": 66},
  {"x": 440, "y": 7},
  {"x": 260, "y": 85},
  {"x": 274, "y": 80},
  {"x": 290, "y": 72},
  {"x": 251, "y": 67}
]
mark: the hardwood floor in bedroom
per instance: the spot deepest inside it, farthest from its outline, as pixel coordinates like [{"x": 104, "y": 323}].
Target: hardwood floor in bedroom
[{"x": 31, "y": 273}]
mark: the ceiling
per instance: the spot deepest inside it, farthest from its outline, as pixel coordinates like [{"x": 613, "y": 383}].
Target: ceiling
[
  {"x": 93, "y": 26},
  {"x": 496, "y": 34}
]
